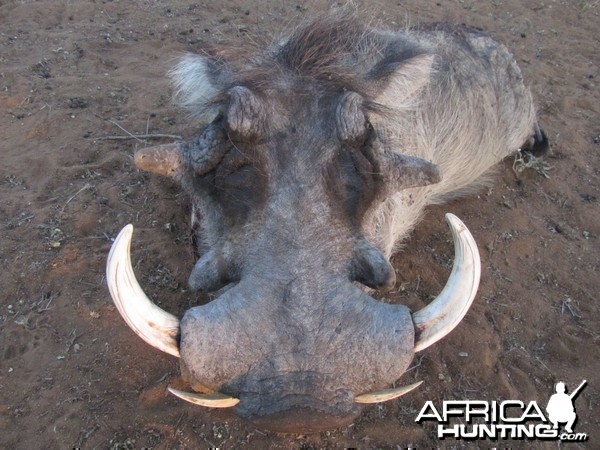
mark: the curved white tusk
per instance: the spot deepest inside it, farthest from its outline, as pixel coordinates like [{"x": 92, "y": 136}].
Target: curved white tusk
[
  {"x": 440, "y": 317},
  {"x": 157, "y": 327},
  {"x": 216, "y": 400},
  {"x": 386, "y": 394}
]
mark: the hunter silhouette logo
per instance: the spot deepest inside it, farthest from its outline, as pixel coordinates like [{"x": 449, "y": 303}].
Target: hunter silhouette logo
[
  {"x": 507, "y": 419},
  {"x": 560, "y": 406}
]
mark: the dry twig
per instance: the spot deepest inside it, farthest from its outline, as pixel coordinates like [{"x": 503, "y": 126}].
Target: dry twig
[{"x": 138, "y": 137}]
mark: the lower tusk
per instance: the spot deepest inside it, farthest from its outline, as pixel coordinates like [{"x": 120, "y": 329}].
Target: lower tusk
[
  {"x": 444, "y": 313},
  {"x": 386, "y": 394},
  {"x": 157, "y": 327},
  {"x": 216, "y": 400}
]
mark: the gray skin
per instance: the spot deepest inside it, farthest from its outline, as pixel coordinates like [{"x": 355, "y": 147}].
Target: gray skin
[
  {"x": 294, "y": 339},
  {"x": 291, "y": 184}
]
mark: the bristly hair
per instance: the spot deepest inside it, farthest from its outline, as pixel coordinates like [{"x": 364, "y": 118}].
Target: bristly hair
[
  {"x": 324, "y": 45},
  {"x": 338, "y": 50},
  {"x": 335, "y": 52}
]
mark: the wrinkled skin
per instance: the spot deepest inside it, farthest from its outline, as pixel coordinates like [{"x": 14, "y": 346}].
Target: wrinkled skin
[
  {"x": 317, "y": 158},
  {"x": 286, "y": 369},
  {"x": 294, "y": 336}
]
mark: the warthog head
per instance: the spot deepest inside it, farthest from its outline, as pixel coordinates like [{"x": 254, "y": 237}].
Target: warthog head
[{"x": 285, "y": 182}]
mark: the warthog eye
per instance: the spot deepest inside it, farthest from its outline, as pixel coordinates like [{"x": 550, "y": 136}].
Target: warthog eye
[
  {"x": 353, "y": 175},
  {"x": 238, "y": 182}
]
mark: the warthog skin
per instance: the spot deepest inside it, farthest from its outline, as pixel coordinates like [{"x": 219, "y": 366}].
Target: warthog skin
[{"x": 317, "y": 157}]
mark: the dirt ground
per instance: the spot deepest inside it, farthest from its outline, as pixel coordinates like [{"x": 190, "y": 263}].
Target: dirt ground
[{"x": 72, "y": 374}]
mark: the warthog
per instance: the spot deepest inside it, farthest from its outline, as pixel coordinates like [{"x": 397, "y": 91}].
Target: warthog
[{"x": 319, "y": 156}]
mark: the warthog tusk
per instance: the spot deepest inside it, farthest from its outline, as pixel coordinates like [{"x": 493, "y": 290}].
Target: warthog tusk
[
  {"x": 386, "y": 394},
  {"x": 440, "y": 317},
  {"x": 216, "y": 400},
  {"x": 157, "y": 327}
]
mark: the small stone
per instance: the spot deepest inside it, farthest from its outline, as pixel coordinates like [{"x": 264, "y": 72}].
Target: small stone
[{"x": 56, "y": 234}]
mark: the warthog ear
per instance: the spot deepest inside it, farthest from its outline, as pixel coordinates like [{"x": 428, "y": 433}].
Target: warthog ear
[
  {"x": 197, "y": 81},
  {"x": 403, "y": 80}
]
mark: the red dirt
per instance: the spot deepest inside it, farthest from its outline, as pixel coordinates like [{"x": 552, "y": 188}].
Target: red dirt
[{"x": 73, "y": 374}]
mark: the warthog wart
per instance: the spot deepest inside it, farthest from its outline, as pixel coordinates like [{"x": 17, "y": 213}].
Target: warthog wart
[{"x": 317, "y": 157}]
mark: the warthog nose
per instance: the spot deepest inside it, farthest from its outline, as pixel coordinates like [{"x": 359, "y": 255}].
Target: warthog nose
[{"x": 302, "y": 420}]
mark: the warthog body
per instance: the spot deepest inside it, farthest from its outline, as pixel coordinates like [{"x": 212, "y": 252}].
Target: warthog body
[{"x": 319, "y": 156}]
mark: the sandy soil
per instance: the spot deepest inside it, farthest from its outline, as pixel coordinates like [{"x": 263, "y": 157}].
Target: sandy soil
[{"x": 72, "y": 373}]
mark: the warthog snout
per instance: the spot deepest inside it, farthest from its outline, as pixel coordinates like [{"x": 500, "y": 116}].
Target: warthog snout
[{"x": 275, "y": 355}]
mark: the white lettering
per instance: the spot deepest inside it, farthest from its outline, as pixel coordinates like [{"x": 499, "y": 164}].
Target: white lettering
[
  {"x": 536, "y": 414},
  {"x": 433, "y": 415},
  {"x": 525, "y": 431},
  {"x": 477, "y": 408},
  {"x": 544, "y": 430},
  {"x": 573, "y": 437},
  {"x": 450, "y": 431},
  {"x": 510, "y": 419},
  {"x": 504, "y": 409},
  {"x": 486, "y": 429},
  {"x": 454, "y": 412}
]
